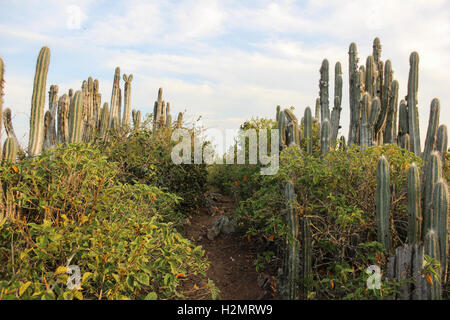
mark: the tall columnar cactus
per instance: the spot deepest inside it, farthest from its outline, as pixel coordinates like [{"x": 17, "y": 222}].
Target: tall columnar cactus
[
  {"x": 413, "y": 112},
  {"x": 306, "y": 253},
  {"x": 374, "y": 114},
  {"x": 127, "y": 101},
  {"x": 162, "y": 118},
  {"x": 390, "y": 131},
  {"x": 336, "y": 113},
  {"x": 403, "y": 127},
  {"x": 324, "y": 94},
  {"x": 97, "y": 104},
  {"x": 76, "y": 118},
  {"x": 114, "y": 116},
  {"x": 442, "y": 141},
  {"x": 158, "y": 110},
  {"x": 292, "y": 260},
  {"x": 63, "y": 119},
  {"x": 376, "y": 50},
  {"x": 317, "y": 111},
  {"x": 414, "y": 206},
  {"x": 433, "y": 173},
  {"x": 325, "y": 137},
  {"x": 10, "y": 150},
  {"x": 7, "y": 120},
  {"x": 371, "y": 76},
  {"x": 70, "y": 93},
  {"x": 307, "y": 130},
  {"x": 440, "y": 220},
  {"x": 354, "y": 93},
  {"x": 292, "y": 131},
  {"x": 36, "y": 138},
  {"x": 432, "y": 249},
  {"x": 168, "y": 116},
  {"x": 385, "y": 96},
  {"x": 278, "y": 113},
  {"x": 50, "y": 119},
  {"x": 433, "y": 124},
  {"x": 179, "y": 120},
  {"x": 369, "y": 113},
  {"x": 104, "y": 120},
  {"x": 136, "y": 115},
  {"x": 383, "y": 201}
]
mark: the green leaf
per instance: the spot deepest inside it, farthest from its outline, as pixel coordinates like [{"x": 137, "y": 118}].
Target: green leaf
[
  {"x": 24, "y": 287},
  {"x": 151, "y": 296},
  {"x": 143, "y": 278}
]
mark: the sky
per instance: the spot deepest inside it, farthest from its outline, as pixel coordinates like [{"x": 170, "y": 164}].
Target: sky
[{"x": 227, "y": 61}]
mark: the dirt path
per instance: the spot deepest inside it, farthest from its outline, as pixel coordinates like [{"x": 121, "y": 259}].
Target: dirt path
[{"x": 231, "y": 258}]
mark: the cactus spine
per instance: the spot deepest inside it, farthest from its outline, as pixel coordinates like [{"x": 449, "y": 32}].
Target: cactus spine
[
  {"x": 413, "y": 113},
  {"x": 325, "y": 132},
  {"x": 414, "y": 207},
  {"x": 308, "y": 130},
  {"x": 127, "y": 101},
  {"x": 324, "y": 94},
  {"x": 432, "y": 250},
  {"x": 76, "y": 118},
  {"x": 336, "y": 113},
  {"x": 36, "y": 138},
  {"x": 433, "y": 123},
  {"x": 383, "y": 200}
]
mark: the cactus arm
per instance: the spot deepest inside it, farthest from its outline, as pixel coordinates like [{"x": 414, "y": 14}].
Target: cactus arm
[
  {"x": 76, "y": 118},
  {"x": 308, "y": 130},
  {"x": 441, "y": 141},
  {"x": 414, "y": 207},
  {"x": 413, "y": 113},
  {"x": 324, "y": 94},
  {"x": 383, "y": 200},
  {"x": 433, "y": 124},
  {"x": 36, "y": 137}
]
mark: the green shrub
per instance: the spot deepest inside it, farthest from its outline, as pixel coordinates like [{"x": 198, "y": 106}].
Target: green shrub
[
  {"x": 75, "y": 211},
  {"x": 145, "y": 157}
]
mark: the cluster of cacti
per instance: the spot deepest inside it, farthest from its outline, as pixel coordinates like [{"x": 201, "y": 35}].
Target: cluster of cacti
[
  {"x": 330, "y": 132},
  {"x": 428, "y": 213},
  {"x": 161, "y": 113},
  {"x": 75, "y": 116}
]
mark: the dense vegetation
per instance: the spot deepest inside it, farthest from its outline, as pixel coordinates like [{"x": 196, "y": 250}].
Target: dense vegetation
[
  {"x": 337, "y": 193},
  {"x": 82, "y": 204}
]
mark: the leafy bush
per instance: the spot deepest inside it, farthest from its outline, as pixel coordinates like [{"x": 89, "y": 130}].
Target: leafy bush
[
  {"x": 74, "y": 210},
  {"x": 145, "y": 157}
]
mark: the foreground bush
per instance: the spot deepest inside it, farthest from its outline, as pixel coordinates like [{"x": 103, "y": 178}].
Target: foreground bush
[{"x": 71, "y": 209}]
